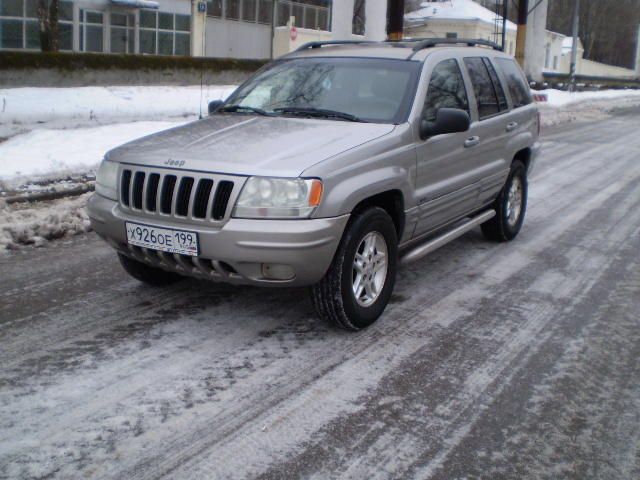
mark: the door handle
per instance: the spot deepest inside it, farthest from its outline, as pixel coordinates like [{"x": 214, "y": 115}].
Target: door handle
[
  {"x": 511, "y": 126},
  {"x": 471, "y": 142}
]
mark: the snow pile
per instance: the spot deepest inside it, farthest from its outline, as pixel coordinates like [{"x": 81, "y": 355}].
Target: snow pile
[
  {"x": 565, "y": 107},
  {"x": 35, "y": 224},
  {"x": 55, "y": 154},
  {"x": 560, "y": 98},
  {"x": 26, "y": 106}
]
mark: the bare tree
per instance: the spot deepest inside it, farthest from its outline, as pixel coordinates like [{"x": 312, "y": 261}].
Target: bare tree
[
  {"x": 47, "y": 12},
  {"x": 608, "y": 28}
]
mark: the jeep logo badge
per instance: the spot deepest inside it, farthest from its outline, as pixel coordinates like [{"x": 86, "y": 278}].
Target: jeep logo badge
[{"x": 174, "y": 163}]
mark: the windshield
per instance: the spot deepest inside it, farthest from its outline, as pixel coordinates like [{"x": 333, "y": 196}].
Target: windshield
[{"x": 356, "y": 89}]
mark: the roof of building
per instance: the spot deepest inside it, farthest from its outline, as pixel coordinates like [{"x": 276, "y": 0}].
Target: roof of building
[{"x": 454, "y": 10}]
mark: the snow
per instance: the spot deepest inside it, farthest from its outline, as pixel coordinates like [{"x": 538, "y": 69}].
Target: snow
[
  {"x": 454, "y": 9},
  {"x": 33, "y": 105},
  {"x": 53, "y": 154},
  {"x": 26, "y": 224},
  {"x": 137, "y": 3},
  {"x": 560, "y": 98}
]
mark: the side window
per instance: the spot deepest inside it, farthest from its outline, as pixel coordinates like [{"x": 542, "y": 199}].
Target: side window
[
  {"x": 518, "y": 88},
  {"x": 486, "y": 97},
  {"x": 446, "y": 90},
  {"x": 502, "y": 99}
]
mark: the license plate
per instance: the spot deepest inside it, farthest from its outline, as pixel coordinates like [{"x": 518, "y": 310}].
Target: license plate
[{"x": 168, "y": 240}]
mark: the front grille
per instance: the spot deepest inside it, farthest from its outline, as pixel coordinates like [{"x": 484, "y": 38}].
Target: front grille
[
  {"x": 138, "y": 185},
  {"x": 152, "y": 192},
  {"x": 124, "y": 189},
  {"x": 201, "y": 201},
  {"x": 166, "y": 200},
  {"x": 191, "y": 196},
  {"x": 223, "y": 193}
]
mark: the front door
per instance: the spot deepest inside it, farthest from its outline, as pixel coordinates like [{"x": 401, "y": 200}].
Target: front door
[{"x": 445, "y": 181}]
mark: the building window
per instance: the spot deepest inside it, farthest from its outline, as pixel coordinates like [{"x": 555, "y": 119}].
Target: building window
[
  {"x": 265, "y": 11},
  {"x": 65, "y": 25},
  {"x": 308, "y": 14},
  {"x": 249, "y": 10},
  {"x": 452, "y": 35},
  {"x": 547, "y": 55},
  {"x": 214, "y": 8},
  {"x": 91, "y": 31},
  {"x": 232, "y": 12},
  {"x": 19, "y": 25},
  {"x": 555, "y": 62},
  {"x": 359, "y": 17},
  {"x": 122, "y": 33},
  {"x": 164, "y": 33}
]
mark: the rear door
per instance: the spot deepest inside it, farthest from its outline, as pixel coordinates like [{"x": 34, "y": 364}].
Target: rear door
[{"x": 490, "y": 130}]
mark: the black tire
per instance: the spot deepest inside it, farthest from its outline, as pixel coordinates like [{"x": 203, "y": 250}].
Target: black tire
[
  {"x": 499, "y": 229},
  {"x": 333, "y": 297},
  {"x": 147, "y": 274}
]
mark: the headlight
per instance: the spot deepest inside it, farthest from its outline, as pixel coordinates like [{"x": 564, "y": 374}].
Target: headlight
[
  {"x": 263, "y": 197},
  {"x": 107, "y": 180}
]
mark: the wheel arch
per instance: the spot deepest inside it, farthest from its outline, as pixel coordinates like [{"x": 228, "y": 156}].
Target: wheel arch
[{"x": 392, "y": 201}]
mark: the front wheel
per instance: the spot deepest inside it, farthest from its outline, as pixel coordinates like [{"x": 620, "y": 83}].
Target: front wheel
[
  {"x": 510, "y": 206},
  {"x": 356, "y": 289}
]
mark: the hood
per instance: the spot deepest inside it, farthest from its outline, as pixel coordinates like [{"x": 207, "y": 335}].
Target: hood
[{"x": 249, "y": 145}]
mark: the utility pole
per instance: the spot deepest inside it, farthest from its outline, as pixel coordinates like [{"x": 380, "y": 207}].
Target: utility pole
[
  {"x": 574, "y": 47},
  {"x": 521, "y": 37},
  {"x": 395, "y": 19}
]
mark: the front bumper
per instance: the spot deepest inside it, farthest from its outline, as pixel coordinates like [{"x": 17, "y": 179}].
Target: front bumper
[{"x": 237, "y": 251}]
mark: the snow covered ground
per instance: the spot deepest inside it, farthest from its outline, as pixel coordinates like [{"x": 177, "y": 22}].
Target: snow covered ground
[
  {"x": 53, "y": 154},
  {"x": 560, "y": 98},
  {"x": 100, "y": 105},
  {"x": 55, "y": 132}
]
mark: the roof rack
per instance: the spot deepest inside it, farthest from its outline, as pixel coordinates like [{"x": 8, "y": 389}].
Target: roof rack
[
  {"x": 310, "y": 45},
  {"x": 423, "y": 43}
]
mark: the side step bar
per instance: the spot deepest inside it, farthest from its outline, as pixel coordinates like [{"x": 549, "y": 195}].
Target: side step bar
[{"x": 420, "y": 251}]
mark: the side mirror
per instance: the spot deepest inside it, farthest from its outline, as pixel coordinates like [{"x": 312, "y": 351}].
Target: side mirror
[
  {"x": 448, "y": 120},
  {"x": 215, "y": 105}
]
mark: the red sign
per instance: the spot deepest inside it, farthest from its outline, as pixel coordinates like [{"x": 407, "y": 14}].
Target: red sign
[{"x": 294, "y": 34}]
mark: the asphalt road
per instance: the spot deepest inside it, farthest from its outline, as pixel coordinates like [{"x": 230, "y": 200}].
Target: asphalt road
[{"x": 493, "y": 361}]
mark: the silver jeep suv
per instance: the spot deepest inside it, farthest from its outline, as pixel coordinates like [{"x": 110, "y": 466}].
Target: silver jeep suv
[{"x": 326, "y": 169}]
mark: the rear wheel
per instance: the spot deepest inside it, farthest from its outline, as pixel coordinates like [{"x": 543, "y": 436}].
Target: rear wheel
[
  {"x": 147, "y": 274},
  {"x": 510, "y": 206},
  {"x": 357, "y": 287}
]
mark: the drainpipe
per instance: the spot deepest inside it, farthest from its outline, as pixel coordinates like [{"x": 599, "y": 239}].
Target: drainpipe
[
  {"x": 521, "y": 37},
  {"x": 638, "y": 54}
]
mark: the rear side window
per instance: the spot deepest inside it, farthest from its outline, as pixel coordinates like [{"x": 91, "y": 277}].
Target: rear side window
[
  {"x": 502, "y": 99},
  {"x": 446, "y": 90},
  {"x": 483, "y": 87},
  {"x": 518, "y": 89}
]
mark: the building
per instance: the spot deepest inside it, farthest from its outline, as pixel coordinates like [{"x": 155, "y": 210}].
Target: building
[
  {"x": 459, "y": 19},
  {"x": 217, "y": 28},
  {"x": 160, "y": 27},
  {"x": 547, "y": 52}
]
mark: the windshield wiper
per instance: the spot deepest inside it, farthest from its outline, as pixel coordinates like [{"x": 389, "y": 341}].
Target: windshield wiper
[
  {"x": 318, "y": 112},
  {"x": 244, "y": 108}
]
